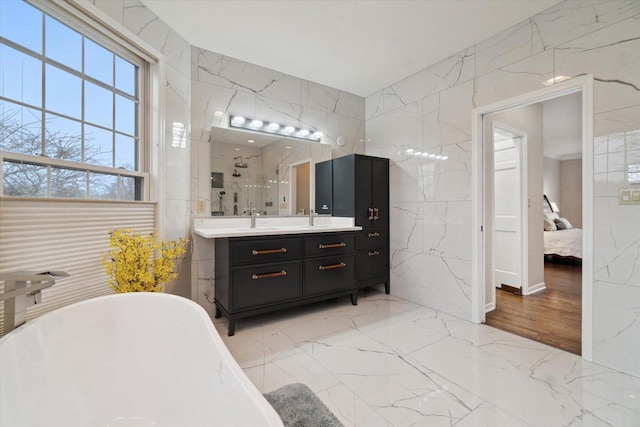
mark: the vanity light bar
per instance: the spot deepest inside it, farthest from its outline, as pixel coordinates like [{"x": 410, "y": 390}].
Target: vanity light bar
[{"x": 273, "y": 128}]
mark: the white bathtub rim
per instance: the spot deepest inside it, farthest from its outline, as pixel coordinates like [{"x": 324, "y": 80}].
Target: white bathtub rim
[{"x": 265, "y": 408}]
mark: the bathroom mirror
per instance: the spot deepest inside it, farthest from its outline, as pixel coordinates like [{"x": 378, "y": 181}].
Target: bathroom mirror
[{"x": 271, "y": 173}]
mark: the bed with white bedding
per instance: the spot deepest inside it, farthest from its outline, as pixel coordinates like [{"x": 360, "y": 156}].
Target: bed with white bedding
[{"x": 567, "y": 243}]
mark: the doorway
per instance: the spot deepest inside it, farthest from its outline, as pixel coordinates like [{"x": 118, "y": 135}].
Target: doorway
[
  {"x": 483, "y": 209},
  {"x": 301, "y": 188}
]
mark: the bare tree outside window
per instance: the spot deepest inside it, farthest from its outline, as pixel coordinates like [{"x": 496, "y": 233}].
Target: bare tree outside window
[
  {"x": 69, "y": 110},
  {"x": 18, "y": 135}
]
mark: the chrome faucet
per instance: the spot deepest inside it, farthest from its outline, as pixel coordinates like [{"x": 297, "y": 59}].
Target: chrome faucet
[
  {"x": 310, "y": 217},
  {"x": 253, "y": 217},
  {"x": 22, "y": 289}
]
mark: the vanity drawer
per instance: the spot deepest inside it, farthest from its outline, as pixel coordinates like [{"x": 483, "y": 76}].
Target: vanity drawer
[
  {"x": 329, "y": 274},
  {"x": 372, "y": 239},
  {"x": 268, "y": 284},
  {"x": 265, "y": 250},
  {"x": 329, "y": 244},
  {"x": 372, "y": 263}
]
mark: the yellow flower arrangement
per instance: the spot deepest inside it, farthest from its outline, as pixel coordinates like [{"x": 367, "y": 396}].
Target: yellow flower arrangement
[{"x": 139, "y": 262}]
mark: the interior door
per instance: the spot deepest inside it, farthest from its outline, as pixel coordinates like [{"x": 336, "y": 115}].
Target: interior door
[
  {"x": 507, "y": 210},
  {"x": 363, "y": 194}
]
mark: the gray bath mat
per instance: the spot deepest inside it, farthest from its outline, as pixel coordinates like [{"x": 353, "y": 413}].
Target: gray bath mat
[{"x": 298, "y": 406}]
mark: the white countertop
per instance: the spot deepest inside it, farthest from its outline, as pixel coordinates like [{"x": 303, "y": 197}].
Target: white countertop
[{"x": 218, "y": 227}]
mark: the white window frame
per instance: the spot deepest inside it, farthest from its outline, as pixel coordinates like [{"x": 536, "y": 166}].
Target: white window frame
[{"x": 95, "y": 25}]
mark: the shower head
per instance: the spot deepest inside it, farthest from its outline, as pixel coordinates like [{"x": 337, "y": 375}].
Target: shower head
[{"x": 240, "y": 164}]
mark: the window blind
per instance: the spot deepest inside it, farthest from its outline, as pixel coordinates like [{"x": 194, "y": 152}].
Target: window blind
[{"x": 69, "y": 235}]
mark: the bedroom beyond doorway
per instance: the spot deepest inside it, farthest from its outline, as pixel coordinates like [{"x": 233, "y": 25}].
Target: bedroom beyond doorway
[{"x": 551, "y": 287}]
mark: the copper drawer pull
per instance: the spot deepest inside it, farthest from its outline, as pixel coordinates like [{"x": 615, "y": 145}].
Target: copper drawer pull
[
  {"x": 376, "y": 213},
  {"x": 374, "y": 253},
  {"x": 332, "y": 266},
  {"x": 332, "y": 245},
  {"x": 376, "y": 234},
  {"x": 267, "y": 275},
  {"x": 269, "y": 251},
  {"x": 370, "y": 213}
]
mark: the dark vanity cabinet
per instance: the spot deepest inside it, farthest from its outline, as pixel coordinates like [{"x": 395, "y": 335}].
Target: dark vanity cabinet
[
  {"x": 256, "y": 275},
  {"x": 360, "y": 189}
]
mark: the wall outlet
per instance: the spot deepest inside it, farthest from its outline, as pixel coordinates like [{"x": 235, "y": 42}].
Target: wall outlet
[{"x": 202, "y": 206}]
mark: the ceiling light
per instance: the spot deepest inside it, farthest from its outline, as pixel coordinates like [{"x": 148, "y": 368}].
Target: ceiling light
[
  {"x": 555, "y": 80},
  {"x": 438, "y": 157},
  {"x": 250, "y": 141},
  {"x": 288, "y": 147},
  {"x": 317, "y": 135},
  {"x": 431, "y": 156},
  {"x": 256, "y": 123},
  {"x": 303, "y": 132},
  {"x": 425, "y": 154},
  {"x": 409, "y": 150},
  {"x": 219, "y": 113},
  {"x": 236, "y": 149},
  {"x": 289, "y": 129},
  {"x": 273, "y": 126},
  {"x": 444, "y": 158},
  {"x": 417, "y": 153}
]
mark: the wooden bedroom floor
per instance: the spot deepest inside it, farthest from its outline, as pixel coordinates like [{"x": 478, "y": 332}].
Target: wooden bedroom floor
[{"x": 552, "y": 316}]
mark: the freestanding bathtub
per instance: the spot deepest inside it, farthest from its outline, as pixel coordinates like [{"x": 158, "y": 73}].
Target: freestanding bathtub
[{"x": 138, "y": 359}]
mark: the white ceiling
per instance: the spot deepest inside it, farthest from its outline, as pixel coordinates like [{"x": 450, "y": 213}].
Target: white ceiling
[
  {"x": 355, "y": 46},
  {"x": 562, "y": 127}
]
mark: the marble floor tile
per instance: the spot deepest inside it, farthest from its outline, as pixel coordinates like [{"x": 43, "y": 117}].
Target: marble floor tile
[
  {"x": 488, "y": 415},
  {"x": 350, "y": 409},
  {"x": 391, "y": 362},
  {"x": 257, "y": 346},
  {"x": 572, "y": 371},
  {"x": 298, "y": 368}
]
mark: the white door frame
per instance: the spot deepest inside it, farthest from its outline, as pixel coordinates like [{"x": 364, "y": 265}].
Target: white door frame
[
  {"x": 583, "y": 84},
  {"x": 522, "y": 158},
  {"x": 293, "y": 182}
]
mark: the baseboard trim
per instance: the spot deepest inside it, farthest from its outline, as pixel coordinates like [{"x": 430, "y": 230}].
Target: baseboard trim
[
  {"x": 489, "y": 307},
  {"x": 537, "y": 288}
]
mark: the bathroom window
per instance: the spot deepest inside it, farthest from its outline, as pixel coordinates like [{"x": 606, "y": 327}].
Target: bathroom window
[{"x": 71, "y": 122}]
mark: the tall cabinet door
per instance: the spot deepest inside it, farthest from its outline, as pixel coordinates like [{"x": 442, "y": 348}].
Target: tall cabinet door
[
  {"x": 363, "y": 192},
  {"x": 380, "y": 192}
]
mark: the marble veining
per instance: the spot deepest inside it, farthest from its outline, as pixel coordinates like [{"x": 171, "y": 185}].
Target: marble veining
[
  {"x": 222, "y": 85},
  {"x": 176, "y": 156},
  {"x": 392, "y": 362},
  {"x": 430, "y": 201}
]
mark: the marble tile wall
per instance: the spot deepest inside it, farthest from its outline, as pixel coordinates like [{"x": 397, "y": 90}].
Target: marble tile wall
[
  {"x": 431, "y": 200},
  {"x": 231, "y": 86},
  {"x": 139, "y": 20}
]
